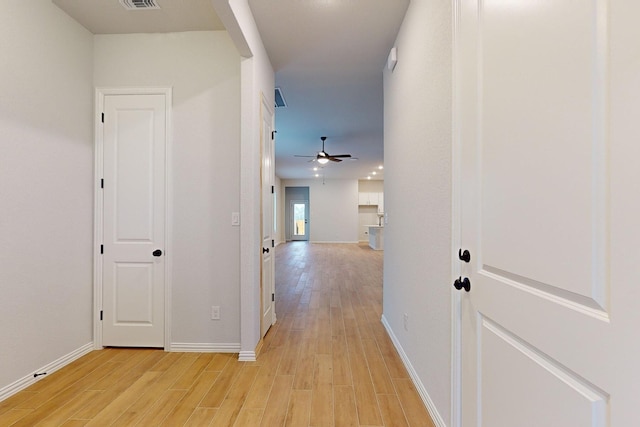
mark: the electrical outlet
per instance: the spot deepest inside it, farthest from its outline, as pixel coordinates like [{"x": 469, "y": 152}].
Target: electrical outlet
[
  {"x": 406, "y": 322},
  {"x": 215, "y": 312}
]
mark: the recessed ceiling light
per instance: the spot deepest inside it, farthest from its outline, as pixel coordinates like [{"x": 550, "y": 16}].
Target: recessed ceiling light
[
  {"x": 317, "y": 175},
  {"x": 374, "y": 173},
  {"x": 315, "y": 169},
  {"x": 380, "y": 167},
  {"x": 368, "y": 177}
]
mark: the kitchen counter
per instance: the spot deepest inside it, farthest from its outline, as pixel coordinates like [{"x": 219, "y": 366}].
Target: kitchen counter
[{"x": 376, "y": 237}]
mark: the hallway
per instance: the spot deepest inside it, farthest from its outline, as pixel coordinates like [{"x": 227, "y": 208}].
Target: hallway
[
  {"x": 330, "y": 338},
  {"x": 327, "y": 362}
]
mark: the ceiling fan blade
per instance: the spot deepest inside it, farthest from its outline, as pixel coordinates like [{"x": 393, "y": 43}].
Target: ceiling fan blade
[
  {"x": 333, "y": 159},
  {"x": 296, "y": 155},
  {"x": 340, "y": 155}
]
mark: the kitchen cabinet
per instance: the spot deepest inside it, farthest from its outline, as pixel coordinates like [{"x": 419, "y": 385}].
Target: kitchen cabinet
[{"x": 370, "y": 199}]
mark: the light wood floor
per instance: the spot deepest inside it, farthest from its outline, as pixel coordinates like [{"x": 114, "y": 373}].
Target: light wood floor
[{"x": 327, "y": 362}]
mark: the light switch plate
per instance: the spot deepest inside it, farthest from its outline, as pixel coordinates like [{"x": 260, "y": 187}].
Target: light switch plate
[
  {"x": 215, "y": 312},
  {"x": 235, "y": 218}
]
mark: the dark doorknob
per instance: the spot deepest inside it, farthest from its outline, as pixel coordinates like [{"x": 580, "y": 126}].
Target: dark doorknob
[
  {"x": 265, "y": 250},
  {"x": 461, "y": 283},
  {"x": 464, "y": 256},
  {"x": 157, "y": 252}
]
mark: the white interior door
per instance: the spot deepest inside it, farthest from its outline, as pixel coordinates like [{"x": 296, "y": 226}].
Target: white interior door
[
  {"x": 267, "y": 138},
  {"x": 549, "y": 97},
  {"x": 299, "y": 220},
  {"x": 134, "y": 143}
]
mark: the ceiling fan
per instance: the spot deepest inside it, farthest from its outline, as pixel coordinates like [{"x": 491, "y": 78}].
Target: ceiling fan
[{"x": 323, "y": 157}]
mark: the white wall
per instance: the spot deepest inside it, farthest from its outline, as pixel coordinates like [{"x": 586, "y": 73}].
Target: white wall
[
  {"x": 418, "y": 253},
  {"x": 257, "y": 80},
  {"x": 367, "y": 215},
  {"x": 333, "y": 216},
  {"x": 370, "y": 186},
  {"x": 46, "y": 187},
  {"x": 204, "y": 70},
  {"x": 280, "y": 212}
]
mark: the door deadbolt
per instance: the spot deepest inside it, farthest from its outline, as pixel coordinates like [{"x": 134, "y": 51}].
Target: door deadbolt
[
  {"x": 464, "y": 256},
  {"x": 461, "y": 283}
]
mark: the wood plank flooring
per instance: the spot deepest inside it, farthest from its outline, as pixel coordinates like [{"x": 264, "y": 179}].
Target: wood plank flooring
[{"x": 327, "y": 362}]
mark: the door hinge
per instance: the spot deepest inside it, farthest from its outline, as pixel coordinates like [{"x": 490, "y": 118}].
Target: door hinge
[
  {"x": 273, "y": 243},
  {"x": 102, "y": 117},
  {"x": 273, "y": 297},
  {"x": 273, "y": 189},
  {"x": 100, "y": 314},
  {"x": 102, "y": 183},
  {"x": 273, "y": 134},
  {"x": 102, "y": 249}
]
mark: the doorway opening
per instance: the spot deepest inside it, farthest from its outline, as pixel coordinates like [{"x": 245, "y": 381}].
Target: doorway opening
[
  {"x": 300, "y": 220},
  {"x": 297, "y": 221}
]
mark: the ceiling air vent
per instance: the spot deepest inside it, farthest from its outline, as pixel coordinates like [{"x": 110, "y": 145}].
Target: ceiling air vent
[
  {"x": 280, "y": 102},
  {"x": 139, "y": 4}
]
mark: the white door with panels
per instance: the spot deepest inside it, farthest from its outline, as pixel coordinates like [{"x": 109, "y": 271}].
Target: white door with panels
[
  {"x": 548, "y": 100},
  {"x": 267, "y": 283},
  {"x": 133, "y": 259}
]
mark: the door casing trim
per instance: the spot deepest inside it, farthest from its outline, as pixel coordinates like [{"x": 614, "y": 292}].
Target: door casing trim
[
  {"x": 100, "y": 93},
  {"x": 456, "y": 220}
]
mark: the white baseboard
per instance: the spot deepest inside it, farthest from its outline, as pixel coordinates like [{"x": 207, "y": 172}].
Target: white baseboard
[
  {"x": 422, "y": 391},
  {"x": 24, "y": 382},
  {"x": 247, "y": 356},
  {"x": 322, "y": 241},
  {"x": 198, "y": 347}
]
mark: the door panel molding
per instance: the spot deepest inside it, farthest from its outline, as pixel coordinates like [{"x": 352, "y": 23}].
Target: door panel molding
[
  {"x": 517, "y": 359},
  {"x": 100, "y": 94},
  {"x": 584, "y": 94},
  {"x": 574, "y": 301}
]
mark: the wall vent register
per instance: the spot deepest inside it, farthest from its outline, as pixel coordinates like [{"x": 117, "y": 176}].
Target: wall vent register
[{"x": 139, "y": 4}]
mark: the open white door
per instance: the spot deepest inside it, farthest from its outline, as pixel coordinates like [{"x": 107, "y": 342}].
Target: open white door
[
  {"x": 267, "y": 285},
  {"x": 549, "y": 102},
  {"x": 133, "y": 262}
]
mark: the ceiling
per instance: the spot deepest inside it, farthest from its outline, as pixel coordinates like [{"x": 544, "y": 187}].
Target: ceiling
[
  {"x": 328, "y": 56},
  {"x": 110, "y": 17}
]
